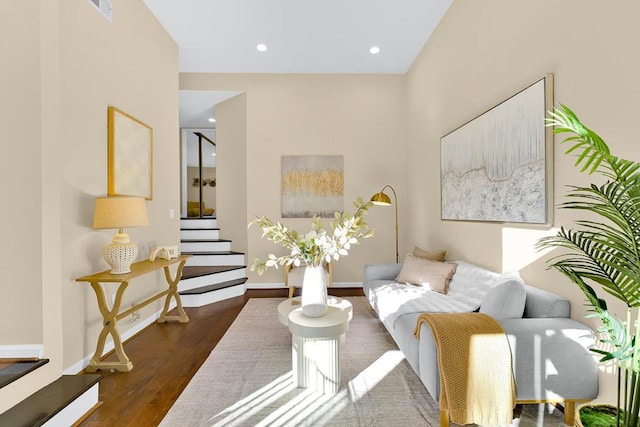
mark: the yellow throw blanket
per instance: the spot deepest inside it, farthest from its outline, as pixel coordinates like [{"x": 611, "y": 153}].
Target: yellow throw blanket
[{"x": 476, "y": 375}]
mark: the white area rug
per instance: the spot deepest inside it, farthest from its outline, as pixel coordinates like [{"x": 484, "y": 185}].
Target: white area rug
[{"x": 247, "y": 380}]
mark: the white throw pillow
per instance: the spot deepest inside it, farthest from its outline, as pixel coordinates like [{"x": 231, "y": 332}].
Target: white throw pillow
[
  {"x": 434, "y": 275},
  {"x": 506, "y": 298}
]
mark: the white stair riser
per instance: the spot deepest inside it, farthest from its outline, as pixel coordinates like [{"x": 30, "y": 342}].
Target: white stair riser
[
  {"x": 205, "y": 246},
  {"x": 210, "y": 279},
  {"x": 198, "y": 223},
  {"x": 208, "y": 260},
  {"x": 76, "y": 409},
  {"x": 199, "y": 234},
  {"x": 213, "y": 296}
]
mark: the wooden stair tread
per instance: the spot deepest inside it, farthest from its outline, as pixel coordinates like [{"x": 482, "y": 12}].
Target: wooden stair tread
[
  {"x": 189, "y": 272},
  {"x": 214, "y": 287},
  {"x": 42, "y": 405},
  {"x": 12, "y": 371}
]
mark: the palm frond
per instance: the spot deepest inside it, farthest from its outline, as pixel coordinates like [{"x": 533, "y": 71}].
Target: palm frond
[{"x": 594, "y": 150}]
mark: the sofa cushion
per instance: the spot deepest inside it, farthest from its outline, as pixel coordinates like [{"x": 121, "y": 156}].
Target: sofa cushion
[
  {"x": 506, "y": 298},
  {"x": 430, "y": 255},
  {"x": 472, "y": 277},
  {"x": 422, "y": 272}
]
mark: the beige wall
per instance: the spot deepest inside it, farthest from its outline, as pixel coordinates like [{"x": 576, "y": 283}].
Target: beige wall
[
  {"x": 231, "y": 171},
  {"x": 70, "y": 64},
  {"x": 21, "y": 154},
  {"x": 361, "y": 117},
  {"x": 482, "y": 53}
]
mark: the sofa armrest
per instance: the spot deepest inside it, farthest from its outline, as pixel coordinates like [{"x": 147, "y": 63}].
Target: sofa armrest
[
  {"x": 552, "y": 358},
  {"x": 544, "y": 304},
  {"x": 381, "y": 272}
]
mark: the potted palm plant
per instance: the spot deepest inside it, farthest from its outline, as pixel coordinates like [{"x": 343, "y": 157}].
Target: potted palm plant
[{"x": 604, "y": 251}]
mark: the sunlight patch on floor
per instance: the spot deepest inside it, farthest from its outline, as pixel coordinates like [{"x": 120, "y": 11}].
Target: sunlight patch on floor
[
  {"x": 309, "y": 404},
  {"x": 245, "y": 408},
  {"x": 366, "y": 380}
]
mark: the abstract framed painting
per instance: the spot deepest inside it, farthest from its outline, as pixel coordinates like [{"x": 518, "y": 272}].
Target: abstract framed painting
[
  {"x": 312, "y": 185},
  {"x": 499, "y": 166},
  {"x": 130, "y": 168}
]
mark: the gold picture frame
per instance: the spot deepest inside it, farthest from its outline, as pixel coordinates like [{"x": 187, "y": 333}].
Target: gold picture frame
[{"x": 130, "y": 169}]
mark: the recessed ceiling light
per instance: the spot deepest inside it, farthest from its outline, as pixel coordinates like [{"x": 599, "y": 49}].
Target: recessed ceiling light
[
  {"x": 212, "y": 120},
  {"x": 262, "y": 47},
  {"x": 374, "y": 50}
]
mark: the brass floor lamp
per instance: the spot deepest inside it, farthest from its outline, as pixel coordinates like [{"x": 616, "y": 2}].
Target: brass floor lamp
[{"x": 381, "y": 199}]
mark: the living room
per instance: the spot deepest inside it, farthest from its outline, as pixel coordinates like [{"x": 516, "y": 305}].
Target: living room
[{"x": 70, "y": 64}]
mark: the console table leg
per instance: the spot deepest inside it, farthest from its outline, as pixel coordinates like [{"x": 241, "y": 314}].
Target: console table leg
[
  {"x": 173, "y": 292},
  {"x": 109, "y": 327}
]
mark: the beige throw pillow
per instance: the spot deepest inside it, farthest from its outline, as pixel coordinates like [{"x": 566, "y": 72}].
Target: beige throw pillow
[
  {"x": 423, "y": 272},
  {"x": 433, "y": 256}
]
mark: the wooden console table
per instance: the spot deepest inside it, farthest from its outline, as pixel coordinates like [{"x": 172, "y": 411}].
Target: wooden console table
[{"x": 111, "y": 317}]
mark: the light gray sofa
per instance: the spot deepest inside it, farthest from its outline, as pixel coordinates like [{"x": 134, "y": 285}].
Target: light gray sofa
[{"x": 551, "y": 357}]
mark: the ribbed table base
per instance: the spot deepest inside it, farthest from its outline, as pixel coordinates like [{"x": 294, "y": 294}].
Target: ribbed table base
[{"x": 316, "y": 363}]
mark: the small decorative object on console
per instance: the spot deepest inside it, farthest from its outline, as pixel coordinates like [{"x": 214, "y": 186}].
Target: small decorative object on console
[{"x": 164, "y": 252}]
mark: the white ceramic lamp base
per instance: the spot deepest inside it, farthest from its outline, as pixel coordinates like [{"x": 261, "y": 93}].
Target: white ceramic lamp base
[{"x": 120, "y": 254}]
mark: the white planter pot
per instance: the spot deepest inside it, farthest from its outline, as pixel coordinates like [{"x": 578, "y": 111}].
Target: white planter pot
[{"x": 314, "y": 292}]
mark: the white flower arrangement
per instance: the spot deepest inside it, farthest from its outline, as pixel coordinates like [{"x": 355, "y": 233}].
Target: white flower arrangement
[{"x": 318, "y": 246}]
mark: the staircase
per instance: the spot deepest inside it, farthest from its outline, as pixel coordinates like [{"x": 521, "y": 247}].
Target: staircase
[{"x": 214, "y": 272}]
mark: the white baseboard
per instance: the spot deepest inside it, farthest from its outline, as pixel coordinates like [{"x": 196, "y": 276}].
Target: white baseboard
[
  {"x": 281, "y": 285},
  {"x": 21, "y": 351},
  {"x": 139, "y": 326}
]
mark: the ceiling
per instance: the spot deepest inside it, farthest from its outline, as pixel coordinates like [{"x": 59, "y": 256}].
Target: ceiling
[{"x": 302, "y": 36}]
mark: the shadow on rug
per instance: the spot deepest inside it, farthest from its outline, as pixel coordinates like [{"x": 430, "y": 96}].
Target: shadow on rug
[{"x": 247, "y": 380}]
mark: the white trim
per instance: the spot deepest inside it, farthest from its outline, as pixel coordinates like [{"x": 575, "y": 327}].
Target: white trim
[
  {"x": 282, "y": 286},
  {"x": 81, "y": 364},
  {"x": 76, "y": 409},
  {"x": 21, "y": 351}
]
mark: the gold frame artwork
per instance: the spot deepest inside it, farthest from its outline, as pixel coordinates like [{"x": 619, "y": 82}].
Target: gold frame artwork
[{"x": 130, "y": 169}]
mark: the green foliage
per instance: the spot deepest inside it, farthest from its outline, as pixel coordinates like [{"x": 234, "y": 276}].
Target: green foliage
[
  {"x": 604, "y": 252},
  {"x": 598, "y": 416},
  {"x": 318, "y": 246}
]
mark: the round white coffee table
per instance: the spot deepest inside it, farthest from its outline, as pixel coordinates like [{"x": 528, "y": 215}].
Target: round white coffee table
[
  {"x": 315, "y": 345},
  {"x": 288, "y": 305}
]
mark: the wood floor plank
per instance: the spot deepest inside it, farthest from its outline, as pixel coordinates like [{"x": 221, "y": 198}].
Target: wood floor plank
[{"x": 165, "y": 357}]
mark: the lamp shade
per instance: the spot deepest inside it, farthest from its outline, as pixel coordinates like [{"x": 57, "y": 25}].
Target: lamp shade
[
  {"x": 119, "y": 212},
  {"x": 381, "y": 199}
]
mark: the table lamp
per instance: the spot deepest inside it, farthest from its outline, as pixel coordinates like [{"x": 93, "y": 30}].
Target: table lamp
[
  {"x": 119, "y": 212},
  {"x": 381, "y": 199}
]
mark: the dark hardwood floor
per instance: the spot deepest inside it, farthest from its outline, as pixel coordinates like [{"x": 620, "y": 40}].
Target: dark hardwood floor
[{"x": 165, "y": 357}]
